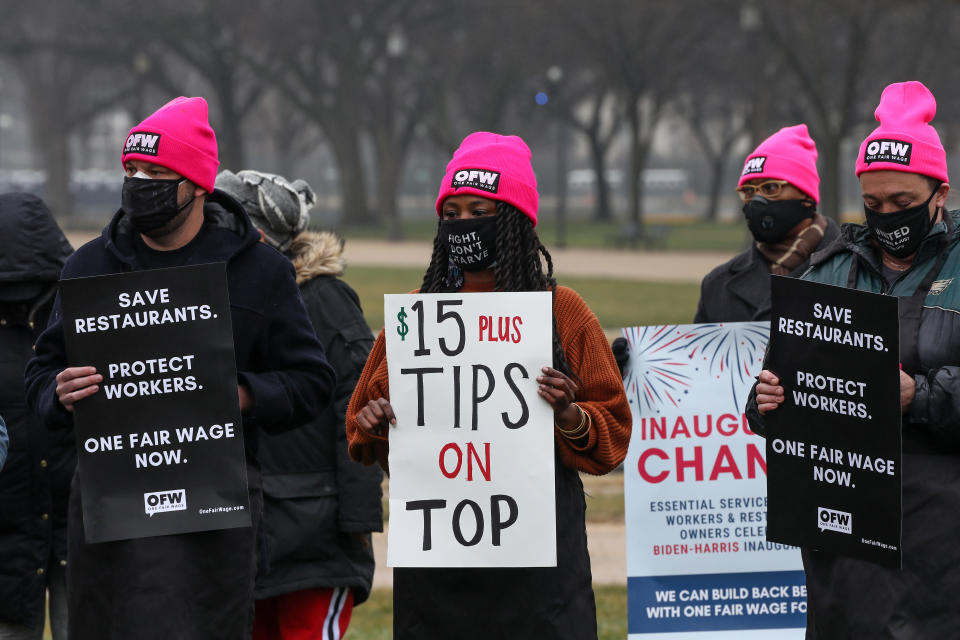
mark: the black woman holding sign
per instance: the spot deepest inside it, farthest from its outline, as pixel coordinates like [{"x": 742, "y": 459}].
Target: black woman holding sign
[
  {"x": 908, "y": 248},
  {"x": 488, "y": 196}
]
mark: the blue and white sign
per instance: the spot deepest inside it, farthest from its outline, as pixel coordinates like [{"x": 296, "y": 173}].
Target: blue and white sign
[{"x": 698, "y": 562}]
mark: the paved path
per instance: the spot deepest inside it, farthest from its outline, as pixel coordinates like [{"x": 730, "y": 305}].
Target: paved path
[
  {"x": 606, "y": 542},
  {"x": 663, "y": 266}
]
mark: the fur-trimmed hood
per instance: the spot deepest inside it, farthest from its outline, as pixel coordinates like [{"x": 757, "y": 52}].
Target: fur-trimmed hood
[{"x": 315, "y": 254}]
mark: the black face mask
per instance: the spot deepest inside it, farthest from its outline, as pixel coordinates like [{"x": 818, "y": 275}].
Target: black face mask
[
  {"x": 471, "y": 243},
  {"x": 901, "y": 232},
  {"x": 770, "y": 221},
  {"x": 151, "y": 204}
]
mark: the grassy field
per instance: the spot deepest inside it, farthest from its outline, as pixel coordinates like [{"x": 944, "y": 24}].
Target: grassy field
[
  {"x": 675, "y": 235},
  {"x": 604, "y": 497},
  {"x": 672, "y": 234},
  {"x": 617, "y": 303},
  {"x": 374, "y": 619}
]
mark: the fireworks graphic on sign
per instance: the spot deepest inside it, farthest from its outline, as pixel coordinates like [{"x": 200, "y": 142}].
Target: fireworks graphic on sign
[{"x": 664, "y": 359}]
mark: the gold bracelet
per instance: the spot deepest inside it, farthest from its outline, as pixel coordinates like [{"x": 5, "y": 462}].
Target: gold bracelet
[
  {"x": 580, "y": 429},
  {"x": 585, "y": 431}
]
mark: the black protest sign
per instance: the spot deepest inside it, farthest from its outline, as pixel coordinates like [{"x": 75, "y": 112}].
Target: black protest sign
[
  {"x": 160, "y": 443},
  {"x": 833, "y": 446}
]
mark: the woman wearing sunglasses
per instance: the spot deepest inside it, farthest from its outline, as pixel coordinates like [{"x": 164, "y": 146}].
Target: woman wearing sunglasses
[{"x": 780, "y": 190}]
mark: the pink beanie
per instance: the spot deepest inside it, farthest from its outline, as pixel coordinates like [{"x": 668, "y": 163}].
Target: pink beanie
[
  {"x": 493, "y": 166},
  {"x": 790, "y": 154},
  {"x": 905, "y": 141},
  {"x": 177, "y": 136}
]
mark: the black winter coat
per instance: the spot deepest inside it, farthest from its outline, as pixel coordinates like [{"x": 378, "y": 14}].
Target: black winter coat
[
  {"x": 35, "y": 482},
  {"x": 319, "y": 506},
  {"x": 197, "y": 585},
  {"x": 739, "y": 289}
]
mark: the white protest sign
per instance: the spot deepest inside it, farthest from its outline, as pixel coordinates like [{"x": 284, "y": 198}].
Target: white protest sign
[
  {"x": 471, "y": 456},
  {"x": 698, "y": 563}
]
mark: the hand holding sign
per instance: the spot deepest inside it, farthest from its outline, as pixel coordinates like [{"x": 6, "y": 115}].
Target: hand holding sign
[
  {"x": 75, "y": 384},
  {"x": 769, "y": 391},
  {"x": 376, "y": 416},
  {"x": 907, "y": 390},
  {"x": 560, "y": 391}
]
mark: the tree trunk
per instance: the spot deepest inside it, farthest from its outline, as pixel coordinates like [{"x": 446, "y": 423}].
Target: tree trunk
[
  {"x": 598, "y": 157},
  {"x": 561, "y": 185},
  {"x": 56, "y": 161},
  {"x": 388, "y": 173},
  {"x": 50, "y": 135},
  {"x": 229, "y": 132},
  {"x": 640, "y": 141},
  {"x": 345, "y": 145},
  {"x": 636, "y": 167},
  {"x": 830, "y": 203},
  {"x": 717, "y": 165}
]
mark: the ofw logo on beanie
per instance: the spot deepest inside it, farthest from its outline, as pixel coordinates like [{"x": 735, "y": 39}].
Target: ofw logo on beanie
[
  {"x": 477, "y": 179},
  {"x": 754, "y": 165},
  {"x": 142, "y": 142},
  {"x": 896, "y": 151}
]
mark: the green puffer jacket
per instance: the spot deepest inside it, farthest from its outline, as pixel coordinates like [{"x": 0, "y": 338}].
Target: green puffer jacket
[{"x": 850, "y": 598}]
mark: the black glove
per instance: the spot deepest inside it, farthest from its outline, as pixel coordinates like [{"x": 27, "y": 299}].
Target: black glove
[{"x": 621, "y": 353}]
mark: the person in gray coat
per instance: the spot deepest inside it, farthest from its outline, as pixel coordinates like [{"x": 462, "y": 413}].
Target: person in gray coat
[{"x": 319, "y": 505}]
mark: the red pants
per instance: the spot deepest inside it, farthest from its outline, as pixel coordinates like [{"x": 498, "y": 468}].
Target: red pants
[{"x": 311, "y": 614}]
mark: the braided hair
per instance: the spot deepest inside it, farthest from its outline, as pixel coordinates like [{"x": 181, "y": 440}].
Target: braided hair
[{"x": 519, "y": 267}]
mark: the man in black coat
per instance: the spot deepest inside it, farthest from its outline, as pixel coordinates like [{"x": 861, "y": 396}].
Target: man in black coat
[
  {"x": 780, "y": 188},
  {"x": 319, "y": 505},
  {"x": 35, "y": 482},
  {"x": 196, "y": 585}
]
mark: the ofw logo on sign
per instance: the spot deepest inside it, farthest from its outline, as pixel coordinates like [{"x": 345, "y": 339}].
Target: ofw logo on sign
[
  {"x": 839, "y": 521},
  {"x": 478, "y": 179},
  {"x": 754, "y": 165},
  {"x": 171, "y": 500},
  {"x": 142, "y": 142},
  {"x": 896, "y": 151}
]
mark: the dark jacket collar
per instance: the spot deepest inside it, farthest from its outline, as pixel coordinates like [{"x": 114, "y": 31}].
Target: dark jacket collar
[
  {"x": 856, "y": 238},
  {"x": 750, "y": 272},
  {"x": 220, "y": 211}
]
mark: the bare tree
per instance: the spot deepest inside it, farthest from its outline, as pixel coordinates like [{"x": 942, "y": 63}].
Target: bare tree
[
  {"x": 643, "y": 48},
  {"x": 840, "y": 56},
  {"x": 357, "y": 71},
  {"x": 65, "y": 86},
  {"x": 717, "y": 122}
]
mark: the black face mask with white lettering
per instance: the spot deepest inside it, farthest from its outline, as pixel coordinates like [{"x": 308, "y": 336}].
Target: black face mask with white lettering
[
  {"x": 471, "y": 243},
  {"x": 901, "y": 232},
  {"x": 151, "y": 204},
  {"x": 770, "y": 221}
]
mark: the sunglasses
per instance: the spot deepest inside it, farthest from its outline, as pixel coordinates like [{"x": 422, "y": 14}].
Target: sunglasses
[{"x": 768, "y": 189}]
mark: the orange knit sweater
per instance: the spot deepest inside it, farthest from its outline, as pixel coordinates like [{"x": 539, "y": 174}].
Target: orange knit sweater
[{"x": 587, "y": 353}]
